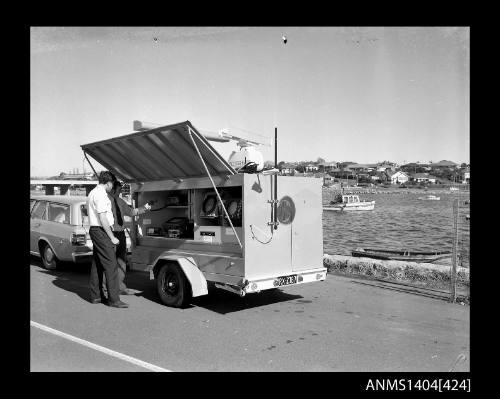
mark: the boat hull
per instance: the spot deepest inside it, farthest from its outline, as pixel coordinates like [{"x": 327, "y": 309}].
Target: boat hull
[
  {"x": 415, "y": 256},
  {"x": 331, "y": 208},
  {"x": 357, "y": 206},
  {"x": 429, "y": 199}
]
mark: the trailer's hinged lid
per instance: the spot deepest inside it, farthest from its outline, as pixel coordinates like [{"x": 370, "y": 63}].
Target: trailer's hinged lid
[{"x": 165, "y": 152}]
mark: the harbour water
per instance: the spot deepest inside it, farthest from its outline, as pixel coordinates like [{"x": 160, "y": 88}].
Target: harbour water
[{"x": 399, "y": 221}]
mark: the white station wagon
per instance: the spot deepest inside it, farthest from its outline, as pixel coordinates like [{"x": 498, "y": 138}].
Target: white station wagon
[{"x": 60, "y": 229}]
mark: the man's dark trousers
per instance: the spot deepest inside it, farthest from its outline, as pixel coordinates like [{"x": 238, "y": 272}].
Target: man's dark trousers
[
  {"x": 104, "y": 260},
  {"x": 121, "y": 253}
]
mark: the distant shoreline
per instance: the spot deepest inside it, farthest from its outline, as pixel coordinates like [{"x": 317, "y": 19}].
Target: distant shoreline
[{"x": 394, "y": 190}]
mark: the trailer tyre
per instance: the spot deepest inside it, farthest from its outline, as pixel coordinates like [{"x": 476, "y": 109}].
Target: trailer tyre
[{"x": 173, "y": 287}]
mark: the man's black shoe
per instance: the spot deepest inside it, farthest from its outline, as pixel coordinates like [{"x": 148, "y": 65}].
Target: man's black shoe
[
  {"x": 127, "y": 291},
  {"x": 118, "y": 304}
]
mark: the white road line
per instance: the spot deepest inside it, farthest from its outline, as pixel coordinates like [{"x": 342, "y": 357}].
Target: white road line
[{"x": 99, "y": 348}]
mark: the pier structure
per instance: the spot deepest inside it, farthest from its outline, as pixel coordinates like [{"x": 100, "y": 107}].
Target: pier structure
[{"x": 64, "y": 185}]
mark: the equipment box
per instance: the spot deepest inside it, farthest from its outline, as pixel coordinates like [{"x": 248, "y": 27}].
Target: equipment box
[
  {"x": 216, "y": 234},
  {"x": 210, "y": 234}
]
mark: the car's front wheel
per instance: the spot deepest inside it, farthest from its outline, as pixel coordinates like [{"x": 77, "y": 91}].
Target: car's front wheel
[{"x": 49, "y": 259}]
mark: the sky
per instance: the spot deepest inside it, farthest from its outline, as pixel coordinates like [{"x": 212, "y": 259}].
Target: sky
[{"x": 364, "y": 94}]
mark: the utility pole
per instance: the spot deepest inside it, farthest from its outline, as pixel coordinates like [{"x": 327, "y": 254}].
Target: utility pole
[{"x": 454, "y": 260}]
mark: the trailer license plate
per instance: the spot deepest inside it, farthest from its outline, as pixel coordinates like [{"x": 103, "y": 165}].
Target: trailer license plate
[{"x": 286, "y": 280}]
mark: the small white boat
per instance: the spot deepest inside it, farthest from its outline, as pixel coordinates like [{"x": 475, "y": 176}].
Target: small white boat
[
  {"x": 454, "y": 188},
  {"x": 350, "y": 203},
  {"x": 430, "y": 198}
]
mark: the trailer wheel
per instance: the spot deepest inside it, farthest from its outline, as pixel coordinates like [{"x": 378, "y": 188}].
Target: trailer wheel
[{"x": 173, "y": 287}]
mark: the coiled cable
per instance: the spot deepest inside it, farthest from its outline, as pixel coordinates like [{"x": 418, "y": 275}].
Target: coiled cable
[{"x": 255, "y": 237}]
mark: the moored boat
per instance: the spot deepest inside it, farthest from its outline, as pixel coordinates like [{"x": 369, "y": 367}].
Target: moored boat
[
  {"x": 410, "y": 256},
  {"x": 350, "y": 203},
  {"x": 430, "y": 198}
]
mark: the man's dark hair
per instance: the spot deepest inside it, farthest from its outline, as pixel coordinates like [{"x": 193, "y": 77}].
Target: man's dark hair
[
  {"x": 105, "y": 177},
  {"x": 116, "y": 184}
]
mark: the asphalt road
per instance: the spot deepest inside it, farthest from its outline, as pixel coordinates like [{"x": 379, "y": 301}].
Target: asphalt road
[{"x": 335, "y": 325}]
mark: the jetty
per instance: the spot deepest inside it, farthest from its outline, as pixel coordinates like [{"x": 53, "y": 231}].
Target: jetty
[{"x": 64, "y": 185}]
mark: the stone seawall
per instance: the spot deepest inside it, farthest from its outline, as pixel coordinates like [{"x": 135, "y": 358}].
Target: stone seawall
[{"x": 424, "y": 273}]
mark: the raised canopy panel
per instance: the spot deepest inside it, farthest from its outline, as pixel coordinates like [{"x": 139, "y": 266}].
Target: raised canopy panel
[{"x": 162, "y": 153}]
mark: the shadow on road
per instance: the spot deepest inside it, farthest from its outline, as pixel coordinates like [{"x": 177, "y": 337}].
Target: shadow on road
[
  {"x": 217, "y": 300},
  {"x": 75, "y": 278},
  {"x": 224, "y": 302},
  {"x": 68, "y": 276}
]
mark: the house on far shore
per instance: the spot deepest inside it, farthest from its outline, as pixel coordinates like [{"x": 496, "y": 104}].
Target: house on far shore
[
  {"x": 358, "y": 167},
  {"x": 379, "y": 177},
  {"x": 328, "y": 166},
  {"x": 311, "y": 168},
  {"x": 383, "y": 166},
  {"x": 288, "y": 169},
  {"x": 423, "y": 177},
  {"x": 466, "y": 177},
  {"x": 398, "y": 177}
]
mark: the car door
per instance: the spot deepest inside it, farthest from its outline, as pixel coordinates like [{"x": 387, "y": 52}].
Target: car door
[
  {"x": 58, "y": 229},
  {"x": 38, "y": 214}
]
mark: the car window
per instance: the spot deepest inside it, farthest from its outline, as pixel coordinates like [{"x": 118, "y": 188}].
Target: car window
[
  {"x": 39, "y": 210},
  {"x": 59, "y": 213},
  {"x": 84, "y": 214}
]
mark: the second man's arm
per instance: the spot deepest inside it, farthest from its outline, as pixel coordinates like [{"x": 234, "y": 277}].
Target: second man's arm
[{"x": 107, "y": 229}]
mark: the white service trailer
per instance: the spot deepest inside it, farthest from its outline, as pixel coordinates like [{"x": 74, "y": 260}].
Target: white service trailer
[{"x": 209, "y": 225}]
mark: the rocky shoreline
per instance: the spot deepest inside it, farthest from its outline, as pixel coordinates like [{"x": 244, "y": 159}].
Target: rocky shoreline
[{"x": 424, "y": 274}]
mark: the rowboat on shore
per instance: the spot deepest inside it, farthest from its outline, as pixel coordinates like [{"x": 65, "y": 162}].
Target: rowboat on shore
[
  {"x": 430, "y": 198},
  {"x": 409, "y": 256},
  {"x": 350, "y": 203}
]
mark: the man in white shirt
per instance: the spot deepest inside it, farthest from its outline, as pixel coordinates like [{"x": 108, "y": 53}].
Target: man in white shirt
[{"x": 104, "y": 244}]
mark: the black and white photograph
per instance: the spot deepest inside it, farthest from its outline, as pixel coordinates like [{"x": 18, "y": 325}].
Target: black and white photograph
[{"x": 251, "y": 199}]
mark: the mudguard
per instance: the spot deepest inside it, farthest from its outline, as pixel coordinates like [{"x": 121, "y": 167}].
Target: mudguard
[
  {"x": 47, "y": 241},
  {"x": 193, "y": 274}
]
